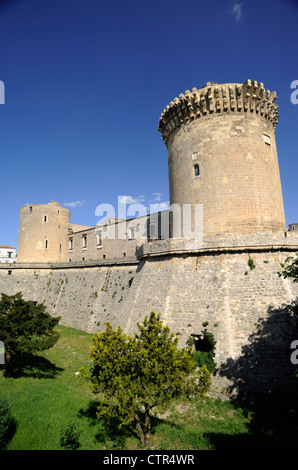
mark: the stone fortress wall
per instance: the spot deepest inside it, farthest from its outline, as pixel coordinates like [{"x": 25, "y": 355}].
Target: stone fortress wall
[
  {"x": 222, "y": 155},
  {"x": 189, "y": 286}
]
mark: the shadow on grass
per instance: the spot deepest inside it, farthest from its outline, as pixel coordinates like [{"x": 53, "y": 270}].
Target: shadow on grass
[
  {"x": 109, "y": 429},
  {"x": 30, "y": 365},
  {"x": 7, "y": 437},
  {"x": 274, "y": 425},
  {"x": 264, "y": 383},
  {"x": 264, "y": 387}
]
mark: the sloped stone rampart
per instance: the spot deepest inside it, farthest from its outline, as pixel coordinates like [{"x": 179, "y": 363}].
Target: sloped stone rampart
[{"x": 243, "y": 301}]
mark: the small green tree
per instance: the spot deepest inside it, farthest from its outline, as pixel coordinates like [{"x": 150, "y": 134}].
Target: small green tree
[
  {"x": 25, "y": 327},
  {"x": 70, "y": 437},
  {"x": 290, "y": 268},
  {"x": 135, "y": 375}
]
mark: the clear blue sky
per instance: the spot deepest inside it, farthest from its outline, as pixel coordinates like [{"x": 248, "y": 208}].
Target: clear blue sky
[{"x": 86, "y": 82}]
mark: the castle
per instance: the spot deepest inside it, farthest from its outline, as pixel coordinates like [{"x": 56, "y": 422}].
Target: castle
[
  {"x": 222, "y": 155},
  {"x": 46, "y": 235},
  {"x": 222, "y": 160}
]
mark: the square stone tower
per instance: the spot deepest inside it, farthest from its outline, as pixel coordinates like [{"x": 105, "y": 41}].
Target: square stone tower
[{"x": 43, "y": 233}]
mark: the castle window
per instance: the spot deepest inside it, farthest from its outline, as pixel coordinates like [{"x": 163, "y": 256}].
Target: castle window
[
  {"x": 132, "y": 234},
  {"x": 46, "y": 244},
  {"x": 99, "y": 238},
  {"x": 103, "y": 256},
  {"x": 60, "y": 248},
  {"x": 70, "y": 243},
  {"x": 9, "y": 273},
  {"x": 84, "y": 238},
  {"x": 196, "y": 169},
  {"x": 30, "y": 209},
  {"x": 152, "y": 232},
  {"x": 267, "y": 139},
  {"x": 45, "y": 218}
]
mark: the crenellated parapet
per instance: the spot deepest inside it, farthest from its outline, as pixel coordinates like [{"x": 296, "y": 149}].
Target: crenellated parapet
[{"x": 213, "y": 98}]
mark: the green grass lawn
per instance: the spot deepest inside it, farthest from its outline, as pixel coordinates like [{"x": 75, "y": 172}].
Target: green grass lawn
[{"x": 47, "y": 396}]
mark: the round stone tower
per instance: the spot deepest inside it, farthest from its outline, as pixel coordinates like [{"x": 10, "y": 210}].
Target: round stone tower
[
  {"x": 43, "y": 233},
  {"x": 222, "y": 154}
]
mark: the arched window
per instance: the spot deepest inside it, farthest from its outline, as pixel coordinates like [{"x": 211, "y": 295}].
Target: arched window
[{"x": 196, "y": 169}]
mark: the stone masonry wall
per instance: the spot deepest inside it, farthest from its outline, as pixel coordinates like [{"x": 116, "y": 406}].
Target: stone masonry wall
[
  {"x": 84, "y": 296},
  {"x": 244, "y": 307}
]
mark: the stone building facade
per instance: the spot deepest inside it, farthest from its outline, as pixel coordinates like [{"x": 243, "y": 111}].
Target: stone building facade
[
  {"x": 115, "y": 238},
  {"x": 47, "y": 235}
]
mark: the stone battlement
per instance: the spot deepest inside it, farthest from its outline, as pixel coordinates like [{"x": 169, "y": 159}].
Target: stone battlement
[{"x": 214, "y": 98}]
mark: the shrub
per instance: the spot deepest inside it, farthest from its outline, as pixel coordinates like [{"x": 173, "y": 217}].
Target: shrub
[
  {"x": 70, "y": 437},
  {"x": 134, "y": 375},
  {"x": 251, "y": 263},
  {"x": 25, "y": 326},
  {"x": 204, "y": 345},
  {"x": 6, "y": 422}
]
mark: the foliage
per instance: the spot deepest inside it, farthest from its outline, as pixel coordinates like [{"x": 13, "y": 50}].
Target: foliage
[
  {"x": 204, "y": 345},
  {"x": 42, "y": 405},
  {"x": 25, "y": 326},
  {"x": 290, "y": 268},
  {"x": 251, "y": 263},
  {"x": 135, "y": 375},
  {"x": 70, "y": 437},
  {"x": 6, "y": 422},
  {"x": 204, "y": 358}
]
